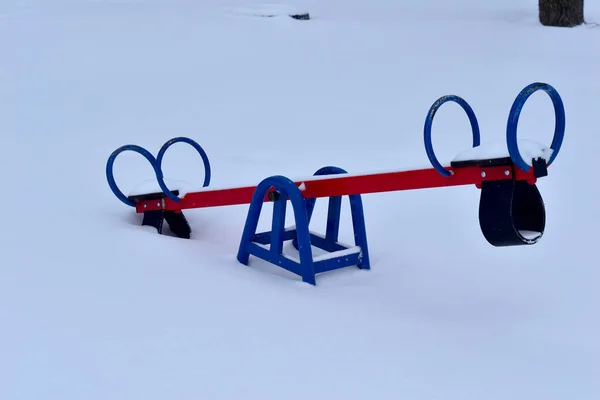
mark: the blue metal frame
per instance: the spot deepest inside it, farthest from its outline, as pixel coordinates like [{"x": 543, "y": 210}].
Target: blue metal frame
[
  {"x": 156, "y": 164},
  {"x": 329, "y": 243},
  {"x": 252, "y": 243},
  {"x": 429, "y": 122},
  {"x": 161, "y": 154},
  {"x": 286, "y": 189},
  {"x": 110, "y": 173},
  {"x": 513, "y": 121}
]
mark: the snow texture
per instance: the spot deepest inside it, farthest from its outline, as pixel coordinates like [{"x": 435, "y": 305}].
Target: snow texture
[
  {"x": 528, "y": 149},
  {"x": 530, "y": 234},
  {"x": 152, "y": 186},
  {"x": 95, "y": 306},
  {"x": 267, "y": 10}
]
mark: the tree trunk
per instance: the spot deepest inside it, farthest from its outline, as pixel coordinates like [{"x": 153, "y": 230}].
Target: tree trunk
[{"x": 561, "y": 12}]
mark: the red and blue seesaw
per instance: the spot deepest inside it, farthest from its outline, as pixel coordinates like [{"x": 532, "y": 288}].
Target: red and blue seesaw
[{"x": 511, "y": 209}]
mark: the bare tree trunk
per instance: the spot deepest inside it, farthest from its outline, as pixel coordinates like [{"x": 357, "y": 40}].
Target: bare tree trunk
[{"x": 561, "y": 12}]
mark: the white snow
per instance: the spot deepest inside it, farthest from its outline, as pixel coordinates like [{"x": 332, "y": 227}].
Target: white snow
[
  {"x": 94, "y": 306},
  {"x": 529, "y": 150},
  {"x": 267, "y": 10},
  {"x": 152, "y": 186},
  {"x": 530, "y": 234},
  {"x": 339, "y": 253},
  {"x": 325, "y": 255}
]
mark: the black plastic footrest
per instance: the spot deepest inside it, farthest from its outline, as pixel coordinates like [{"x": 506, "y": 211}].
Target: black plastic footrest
[
  {"x": 178, "y": 224},
  {"x": 511, "y": 213},
  {"x": 155, "y": 219},
  {"x": 176, "y": 220}
]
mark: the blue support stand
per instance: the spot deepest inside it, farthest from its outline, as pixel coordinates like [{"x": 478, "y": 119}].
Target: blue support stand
[{"x": 268, "y": 245}]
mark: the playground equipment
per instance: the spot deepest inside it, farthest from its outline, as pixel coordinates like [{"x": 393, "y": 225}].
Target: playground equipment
[{"x": 511, "y": 209}]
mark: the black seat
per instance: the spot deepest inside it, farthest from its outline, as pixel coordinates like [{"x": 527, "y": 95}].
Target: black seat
[{"x": 511, "y": 213}]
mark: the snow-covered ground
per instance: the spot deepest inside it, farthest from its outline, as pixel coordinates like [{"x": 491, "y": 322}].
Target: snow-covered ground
[{"x": 94, "y": 306}]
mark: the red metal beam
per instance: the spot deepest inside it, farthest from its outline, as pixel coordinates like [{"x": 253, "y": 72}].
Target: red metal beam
[{"x": 346, "y": 184}]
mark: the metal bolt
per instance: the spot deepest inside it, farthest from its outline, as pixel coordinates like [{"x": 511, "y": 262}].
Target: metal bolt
[
  {"x": 157, "y": 204},
  {"x": 507, "y": 172},
  {"x": 483, "y": 174},
  {"x": 274, "y": 195},
  {"x": 145, "y": 205}
]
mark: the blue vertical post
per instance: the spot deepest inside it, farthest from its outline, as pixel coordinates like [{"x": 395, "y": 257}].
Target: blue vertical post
[
  {"x": 256, "y": 204},
  {"x": 360, "y": 229},
  {"x": 303, "y": 237},
  {"x": 334, "y": 212},
  {"x": 278, "y": 224}
]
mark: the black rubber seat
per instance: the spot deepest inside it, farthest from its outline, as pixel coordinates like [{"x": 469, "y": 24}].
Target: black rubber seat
[{"x": 511, "y": 212}]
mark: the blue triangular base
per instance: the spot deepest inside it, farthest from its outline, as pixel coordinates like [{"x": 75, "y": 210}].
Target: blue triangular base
[{"x": 269, "y": 245}]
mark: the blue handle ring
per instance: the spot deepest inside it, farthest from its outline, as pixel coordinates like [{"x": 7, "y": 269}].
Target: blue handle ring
[
  {"x": 159, "y": 158},
  {"x": 429, "y": 122},
  {"x": 513, "y": 121},
  {"x": 109, "y": 169}
]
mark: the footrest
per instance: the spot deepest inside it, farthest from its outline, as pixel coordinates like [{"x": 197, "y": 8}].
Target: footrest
[{"x": 175, "y": 219}]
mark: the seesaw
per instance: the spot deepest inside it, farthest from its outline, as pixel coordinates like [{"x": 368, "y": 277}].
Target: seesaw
[{"x": 511, "y": 209}]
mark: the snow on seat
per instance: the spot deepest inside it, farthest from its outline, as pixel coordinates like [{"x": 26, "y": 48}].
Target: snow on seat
[
  {"x": 150, "y": 190},
  {"x": 495, "y": 153},
  {"x": 511, "y": 212}
]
